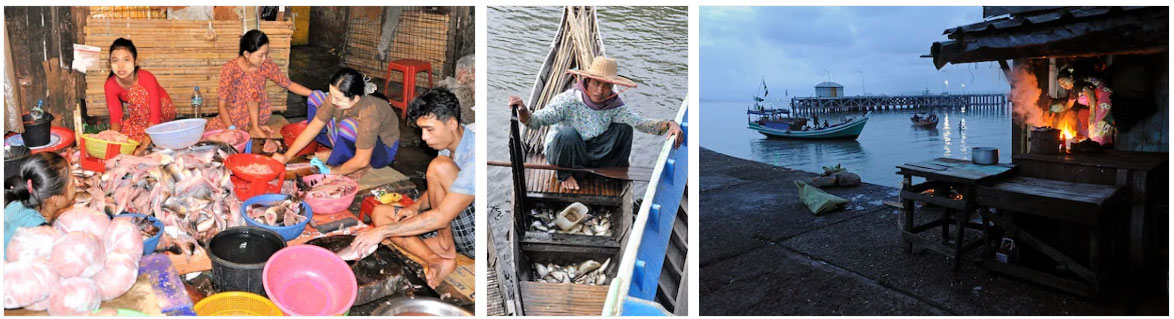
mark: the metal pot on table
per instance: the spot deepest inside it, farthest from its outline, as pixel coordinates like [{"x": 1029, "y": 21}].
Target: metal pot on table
[
  {"x": 984, "y": 155},
  {"x": 422, "y": 306}
]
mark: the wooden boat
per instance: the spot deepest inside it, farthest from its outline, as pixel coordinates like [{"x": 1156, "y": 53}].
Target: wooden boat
[
  {"x": 775, "y": 124},
  {"x": 575, "y": 44},
  {"x": 924, "y": 120}
]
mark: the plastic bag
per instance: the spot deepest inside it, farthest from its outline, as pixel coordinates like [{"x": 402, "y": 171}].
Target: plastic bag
[{"x": 817, "y": 200}]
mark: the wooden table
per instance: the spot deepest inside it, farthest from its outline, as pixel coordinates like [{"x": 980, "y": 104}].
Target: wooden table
[
  {"x": 1140, "y": 173},
  {"x": 942, "y": 176},
  {"x": 1086, "y": 205}
]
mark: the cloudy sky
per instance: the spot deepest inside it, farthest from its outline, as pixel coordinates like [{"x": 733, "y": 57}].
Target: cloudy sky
[{"x": 793, "y": 46}]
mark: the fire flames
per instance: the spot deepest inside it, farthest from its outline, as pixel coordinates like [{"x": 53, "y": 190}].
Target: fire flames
[{"x": 1025, "y": 97}]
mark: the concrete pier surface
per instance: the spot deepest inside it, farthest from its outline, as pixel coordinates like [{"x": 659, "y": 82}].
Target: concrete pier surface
[{"x": 764, "y": 253}]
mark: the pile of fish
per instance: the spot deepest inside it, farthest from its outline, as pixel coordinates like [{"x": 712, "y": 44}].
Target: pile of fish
[
  {"x": 187, "y": 189},
  {"x": 230, "y": 137},
  {"x": 589, "y": 272},
  {"x": 332, "y": 186},
  {"x": 111, "y": 136},
  {"x": 283, "y": 213},
  {"x": 271, "y": 146},
  {"x": 596, "y": 223},
  {"x": 257, "y": 169}
]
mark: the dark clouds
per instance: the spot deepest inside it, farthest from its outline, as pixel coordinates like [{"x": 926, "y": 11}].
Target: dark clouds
[{"x": 792, "y": 46}]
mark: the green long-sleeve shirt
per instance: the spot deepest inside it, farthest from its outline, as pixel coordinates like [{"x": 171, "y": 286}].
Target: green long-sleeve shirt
[{"x": 568, "y": 108}]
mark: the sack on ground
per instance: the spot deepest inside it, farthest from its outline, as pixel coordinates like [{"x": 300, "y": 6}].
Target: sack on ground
[
  {"x": 817, "y": 200},
  {"x": 846, "y": 179},
  {"x": 823, "y": 181}
]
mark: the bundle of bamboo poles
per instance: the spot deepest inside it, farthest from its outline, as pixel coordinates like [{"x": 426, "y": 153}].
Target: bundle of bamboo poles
[
  {"x": 182, "y": 54},
  {"x": 127, "y": 12},
  {"x": 578, "y": 45},
  {"x": 419, "y": 35}
]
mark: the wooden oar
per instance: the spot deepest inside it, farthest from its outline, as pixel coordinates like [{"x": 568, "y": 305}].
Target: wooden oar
[{"x": 632, "y": 173}]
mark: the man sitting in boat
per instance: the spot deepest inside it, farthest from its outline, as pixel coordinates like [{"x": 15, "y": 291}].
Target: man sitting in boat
[
  {"x": 592, "y": 126},
  {"x": 440, "y": 224}
]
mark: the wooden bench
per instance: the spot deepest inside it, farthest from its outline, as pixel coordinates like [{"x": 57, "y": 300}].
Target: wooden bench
[{"x": 1081, "y": 204}]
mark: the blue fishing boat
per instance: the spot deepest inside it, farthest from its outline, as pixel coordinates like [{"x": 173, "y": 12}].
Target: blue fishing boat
[
  {"x": 778, "y": 123},
  {"x": 768, "y": 125}
]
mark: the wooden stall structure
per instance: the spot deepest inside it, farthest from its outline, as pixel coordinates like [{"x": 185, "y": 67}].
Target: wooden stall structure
[
  {"x": 376, "y": 36},
  {"x": 40, "y": 40},
  {"x": 1127, "y": 48},
  {"x": 182, "y": 54}
]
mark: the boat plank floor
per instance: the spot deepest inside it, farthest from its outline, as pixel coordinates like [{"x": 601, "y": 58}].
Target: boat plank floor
[
  {"x": 545, "y": 181},
  {"x": 546, "y": 299}
]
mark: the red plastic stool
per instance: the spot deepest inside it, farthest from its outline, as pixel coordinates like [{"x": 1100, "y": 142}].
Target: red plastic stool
[
  {"x": 409, "y": 67},
  {"x": 366, "y": 208}
]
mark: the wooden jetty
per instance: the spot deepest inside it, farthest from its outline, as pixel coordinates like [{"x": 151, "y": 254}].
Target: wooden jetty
[{"x": 814, "y": 105}]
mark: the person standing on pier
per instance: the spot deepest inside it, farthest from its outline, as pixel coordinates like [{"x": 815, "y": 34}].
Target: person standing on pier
[{"x": 592, "y": 126}]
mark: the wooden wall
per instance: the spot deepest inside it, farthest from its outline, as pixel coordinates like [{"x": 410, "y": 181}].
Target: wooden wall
[
  {"x": 38, "y": 36},
  {"x": 462, "y": 37},
  {"x": 328, "y": 27},
  {"x": 1153, "y": 133}
]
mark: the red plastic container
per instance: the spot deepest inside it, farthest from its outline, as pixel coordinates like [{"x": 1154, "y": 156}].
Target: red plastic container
[
  {"x": 290, "y": 132},
  {"x": 246, "y": 185}
]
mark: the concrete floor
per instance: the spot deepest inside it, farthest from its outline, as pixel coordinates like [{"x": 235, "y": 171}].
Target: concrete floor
[{"x": 764, "y": 253}]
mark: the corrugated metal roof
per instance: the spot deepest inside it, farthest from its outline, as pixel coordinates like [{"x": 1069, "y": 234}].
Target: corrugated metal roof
[
  {"x": 829, "y": 85},
  {"x": 1058, "y": 32},
  {"x": 1037, "y": 17}
]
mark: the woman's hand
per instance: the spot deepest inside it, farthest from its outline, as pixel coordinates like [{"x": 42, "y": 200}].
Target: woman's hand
[
  {"x": 672, "y": 129},
  {"x": 280, "y": 157},
  {"x": 523, "y": 112}
]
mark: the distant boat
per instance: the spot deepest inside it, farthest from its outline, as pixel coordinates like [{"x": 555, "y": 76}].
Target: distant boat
[{"x": 924, "y": 120}]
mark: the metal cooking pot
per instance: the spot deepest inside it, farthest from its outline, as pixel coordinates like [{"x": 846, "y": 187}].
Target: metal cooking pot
[
  {"x": 419, "y": 306},
  {"x": 984, "y": 155}
]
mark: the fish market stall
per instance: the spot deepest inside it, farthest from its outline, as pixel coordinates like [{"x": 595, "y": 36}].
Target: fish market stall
[{"x": 175, "y": 219}]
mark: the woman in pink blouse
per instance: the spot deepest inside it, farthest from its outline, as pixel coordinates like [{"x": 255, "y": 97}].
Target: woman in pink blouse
[{"x": 242, "y": 99}]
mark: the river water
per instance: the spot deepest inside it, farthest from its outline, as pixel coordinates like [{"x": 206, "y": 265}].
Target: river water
[
  {"x": 651, "y": 45},
  {"x": 888, "y": 140}
]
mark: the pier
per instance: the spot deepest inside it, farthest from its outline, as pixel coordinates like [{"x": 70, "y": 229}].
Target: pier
[{"x": 829, "y": 104}]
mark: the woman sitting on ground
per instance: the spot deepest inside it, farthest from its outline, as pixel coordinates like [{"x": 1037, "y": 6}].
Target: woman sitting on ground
[
  {"x": 147, "y": 103},
  {"x": 242, "y": 99},
  {"x": 354, "y": 121}
]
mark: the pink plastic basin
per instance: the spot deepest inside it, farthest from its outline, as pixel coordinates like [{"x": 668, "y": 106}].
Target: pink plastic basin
[
  {"x": 327, "y": 206},
  {"x": 307, "y": 280}
]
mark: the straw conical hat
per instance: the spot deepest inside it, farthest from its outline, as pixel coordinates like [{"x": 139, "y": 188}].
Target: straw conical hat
[{"x": 604, "y": 69}]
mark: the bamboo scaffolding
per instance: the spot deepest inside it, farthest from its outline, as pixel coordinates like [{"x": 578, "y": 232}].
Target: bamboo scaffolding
[
  {"x": 577, "y": 47},
  {"x": 182, "y": 54}
]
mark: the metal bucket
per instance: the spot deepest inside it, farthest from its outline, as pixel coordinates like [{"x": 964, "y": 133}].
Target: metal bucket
[
  {"x": 238, "y": 258},
  {"x": 984, "y": 155}
]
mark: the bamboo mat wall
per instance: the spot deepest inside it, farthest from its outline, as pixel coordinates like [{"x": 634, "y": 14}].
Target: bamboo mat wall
[
  {"x": 182, "y": 54},
  {"x": 419, "y": 35},
  {"x": 127, "y": 12}
]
